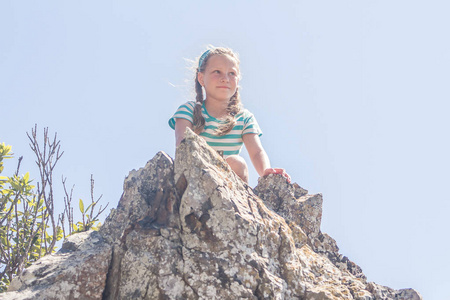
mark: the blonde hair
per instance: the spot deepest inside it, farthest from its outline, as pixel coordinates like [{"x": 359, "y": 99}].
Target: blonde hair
[{"x": 234, "y": 105}]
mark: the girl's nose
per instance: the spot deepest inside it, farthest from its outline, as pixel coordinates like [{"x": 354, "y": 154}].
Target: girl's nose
[{"x": 225, "y": 77}]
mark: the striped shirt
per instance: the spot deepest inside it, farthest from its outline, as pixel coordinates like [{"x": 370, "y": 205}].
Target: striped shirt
[{"x": 230, "y": 143}]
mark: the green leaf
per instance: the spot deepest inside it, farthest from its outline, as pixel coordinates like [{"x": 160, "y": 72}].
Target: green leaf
[
  {"x": 81, "y": 204},
  {"x": 88, "y": 207}
]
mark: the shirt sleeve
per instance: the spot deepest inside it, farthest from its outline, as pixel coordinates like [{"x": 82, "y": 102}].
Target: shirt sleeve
[
  {"x": 185, "y": 111},
  {"x": 251, "y": 125}
]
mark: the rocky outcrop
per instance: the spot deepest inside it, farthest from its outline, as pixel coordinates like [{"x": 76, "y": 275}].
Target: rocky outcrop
[
  {"x": 296, "y": 206},
  {"x": 78, "y": 271},
  {"x": 191, "y": 229}
]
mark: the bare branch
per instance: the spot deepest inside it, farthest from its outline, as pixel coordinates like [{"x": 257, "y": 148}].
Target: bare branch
[
  {"x": 18, "y": 165},
  {"x": 68, "y": 210}
]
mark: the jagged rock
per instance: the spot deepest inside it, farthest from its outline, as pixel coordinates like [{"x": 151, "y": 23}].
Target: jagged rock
[
  {"x": 191, "y": 229},
  {"x": 386, "y": 293},
  {"x": 288, "y": 200},
  {"x": 77, "y": 271}
]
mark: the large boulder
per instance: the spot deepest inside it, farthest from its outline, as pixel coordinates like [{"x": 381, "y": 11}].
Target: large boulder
[
  {"x": 192, "y": 229},
  {"x": 77, "y": 271}
]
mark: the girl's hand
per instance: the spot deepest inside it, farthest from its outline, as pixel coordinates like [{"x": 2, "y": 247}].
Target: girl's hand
[{"x": 277, "y": 171}]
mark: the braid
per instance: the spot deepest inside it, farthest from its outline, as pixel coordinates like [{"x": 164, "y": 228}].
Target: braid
[
  {"x": 234, "y": 108},
  {"x": 199, "y": 120}
]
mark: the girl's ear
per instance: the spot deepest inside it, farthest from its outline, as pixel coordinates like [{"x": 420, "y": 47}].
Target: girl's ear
[{"x": 200, "y": 78}]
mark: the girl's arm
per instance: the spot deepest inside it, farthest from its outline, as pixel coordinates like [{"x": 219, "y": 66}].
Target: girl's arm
[
  {"x": 180, "y": 128},
  {"x": 259, "y": 156},
  {"x": 256, "y": 152}
]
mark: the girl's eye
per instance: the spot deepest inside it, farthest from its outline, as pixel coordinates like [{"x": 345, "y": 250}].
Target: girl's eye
[
  {"x": 232, "y": 74},
  {"x": 217, "y": 71}
]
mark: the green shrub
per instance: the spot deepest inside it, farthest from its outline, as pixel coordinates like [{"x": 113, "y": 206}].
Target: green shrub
[{"x": 29, "y": 226}]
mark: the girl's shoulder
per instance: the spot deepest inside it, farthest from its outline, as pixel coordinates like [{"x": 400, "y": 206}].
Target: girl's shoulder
[
  {"x": 190, "y": 104},
  {"x": 244, "y": 114},
  {"x": 187, "y": 107}
]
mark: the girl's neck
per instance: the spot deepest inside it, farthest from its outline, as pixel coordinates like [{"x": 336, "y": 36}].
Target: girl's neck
[{"x": 216, "y": 109}]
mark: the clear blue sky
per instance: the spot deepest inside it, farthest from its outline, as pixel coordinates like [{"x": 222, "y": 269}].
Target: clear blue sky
[{"x": 352, "y": 97}]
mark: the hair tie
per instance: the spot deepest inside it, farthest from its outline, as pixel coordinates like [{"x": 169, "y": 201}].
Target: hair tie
[
  {"x": 198, "y": 103},
  {"x": 202, "y": 58}
]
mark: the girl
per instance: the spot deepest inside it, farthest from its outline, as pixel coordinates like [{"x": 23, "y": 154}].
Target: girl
[{"x": 220, "y": 118}]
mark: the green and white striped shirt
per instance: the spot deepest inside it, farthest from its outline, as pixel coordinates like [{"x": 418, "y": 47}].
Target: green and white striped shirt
[{"x": 230, "y": 143}]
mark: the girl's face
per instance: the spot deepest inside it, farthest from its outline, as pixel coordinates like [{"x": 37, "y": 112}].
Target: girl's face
[{"x": 220, "y": 77}]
